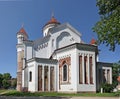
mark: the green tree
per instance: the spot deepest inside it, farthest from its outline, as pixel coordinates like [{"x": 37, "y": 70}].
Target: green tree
[
  {"x": 6, "y": 80},
  {"x": 108, "y": 27},
  {"x": 115, "y": 73},
  {"x": 6, "y": 83},
  {"x": 7, "y": 76},
  {"x": 1, "y": 78}
]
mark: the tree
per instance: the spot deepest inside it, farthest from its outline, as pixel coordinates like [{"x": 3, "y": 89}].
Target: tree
[
  {"x": 7, "y": 76},
  {"x": 1, "y": 78},
  {"x": 108, "y": 28},
  {"x": 6, "y": 80},
  {"x": 115, "y": 73},
  {"x": 6, "y": 83}
]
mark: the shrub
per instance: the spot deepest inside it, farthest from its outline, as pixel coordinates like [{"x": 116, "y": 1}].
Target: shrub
[{"x": 107, "y": 87}]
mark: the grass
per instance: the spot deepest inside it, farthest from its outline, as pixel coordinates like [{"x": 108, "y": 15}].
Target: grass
[{"x": 16, "y": 93}]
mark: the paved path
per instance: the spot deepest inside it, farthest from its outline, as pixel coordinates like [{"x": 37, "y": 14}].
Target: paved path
[
  {"x": 4, "y": 97},
  {"x": 95, "y": 98}
]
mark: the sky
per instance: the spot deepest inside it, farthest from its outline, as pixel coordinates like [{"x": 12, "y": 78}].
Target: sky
[{"x": 34, "y": 14}]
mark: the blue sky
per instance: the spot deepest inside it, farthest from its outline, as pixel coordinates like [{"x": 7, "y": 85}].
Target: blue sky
[{"x": 34, "y": 14}]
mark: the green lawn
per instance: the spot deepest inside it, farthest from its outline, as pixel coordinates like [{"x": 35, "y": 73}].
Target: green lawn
[{"x": 16, "y": 93}]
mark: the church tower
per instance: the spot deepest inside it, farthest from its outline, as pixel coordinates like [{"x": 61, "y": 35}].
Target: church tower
[
  {"x": 50, "y": 24},
  {"x": 21, "y": 36}
]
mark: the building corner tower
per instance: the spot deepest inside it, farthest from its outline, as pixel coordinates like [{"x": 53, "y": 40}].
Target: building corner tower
[{"x": 21, "y": 37}]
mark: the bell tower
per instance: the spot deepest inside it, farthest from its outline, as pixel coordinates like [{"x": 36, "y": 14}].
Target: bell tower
[{"x": 21, "y": 36}]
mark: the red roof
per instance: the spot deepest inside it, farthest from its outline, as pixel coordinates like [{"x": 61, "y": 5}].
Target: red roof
[
  {"x": 53, "y": 21},
  {"x": 93, "y": 41},
  {"x": 118, "y": 79},
  {"x": 22, "y": 30}
]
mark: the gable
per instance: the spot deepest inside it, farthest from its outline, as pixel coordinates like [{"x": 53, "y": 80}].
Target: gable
[
  {"x": 65, "y": 35},
  {"x": 62, "y": 38}
]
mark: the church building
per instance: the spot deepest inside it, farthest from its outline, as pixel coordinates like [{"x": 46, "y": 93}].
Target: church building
[{"x": 60, "y": 61}]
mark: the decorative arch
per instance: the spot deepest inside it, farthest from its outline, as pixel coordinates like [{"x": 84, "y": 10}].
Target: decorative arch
[
  {"x": 64, "y": 62},
  {"x": 61, "y": 38},
  {"x": 65, "y": 70}
]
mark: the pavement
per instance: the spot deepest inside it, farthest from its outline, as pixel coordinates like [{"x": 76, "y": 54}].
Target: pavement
[{"x": 5, "y": 97}]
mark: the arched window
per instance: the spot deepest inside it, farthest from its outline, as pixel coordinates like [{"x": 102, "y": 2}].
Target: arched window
[
  {"x": 65, "y": 73},
  {"x": 30, "y": 76},
  {"x": 53, "y": 42}
]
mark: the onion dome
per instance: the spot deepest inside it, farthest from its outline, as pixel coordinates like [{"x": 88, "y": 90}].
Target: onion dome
[
  {"x": 50, "y": 24},
  {"x": 118, "y": 79},
  {"x": 52, "y": 21},
  {"x": 93, "y": 41},
  {"x": 23, "y": 32}
]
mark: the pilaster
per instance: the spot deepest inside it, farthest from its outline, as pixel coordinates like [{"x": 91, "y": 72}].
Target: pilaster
[
  {"x": 83, "y": 68},
  {"x": 43, "y": 78},
  {"x": 88, "y": 68},
  {"x": 49, "y": 78}
]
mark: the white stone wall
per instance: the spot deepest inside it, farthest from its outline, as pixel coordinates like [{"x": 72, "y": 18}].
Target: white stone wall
[
  {"x": 36, "y": 77},
  {"x": 86, "y": 87},
  {"x": 42, "y": 52},
  {"x": 63, "y": 38},
  {"x": 32, "y": 84},
  {"x": 33, "y": 67},
  {"x": 72, "y": 86},
  {"x": 57, "y": 40},
  {"x": 29, "y": 52},
  {"x": 25, "y": 78}
]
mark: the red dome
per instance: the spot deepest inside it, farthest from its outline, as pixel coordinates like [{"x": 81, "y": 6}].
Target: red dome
[
  {"x": 52, "y": 21},
  {"x": 22, "y": 30},
  {"x": 118, "y": 79},
  {"x": 93, "y": 41}
]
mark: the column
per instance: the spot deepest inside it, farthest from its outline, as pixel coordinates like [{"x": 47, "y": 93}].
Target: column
[
  {"x": 83, "y": 68},
  {"x": 88, "y": 63},
  {"x": 80, "y": 70},
  {"x": 93, "y": 68},
  {"x": 106, "y": 75},
  {"x": 49, "y": 77},
  {"x": 110, "y": 75},
  {"x": 43, "y": 78}
]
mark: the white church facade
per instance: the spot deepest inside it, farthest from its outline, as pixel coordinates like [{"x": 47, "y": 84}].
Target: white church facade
[{"x": 59, "y": 61}]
